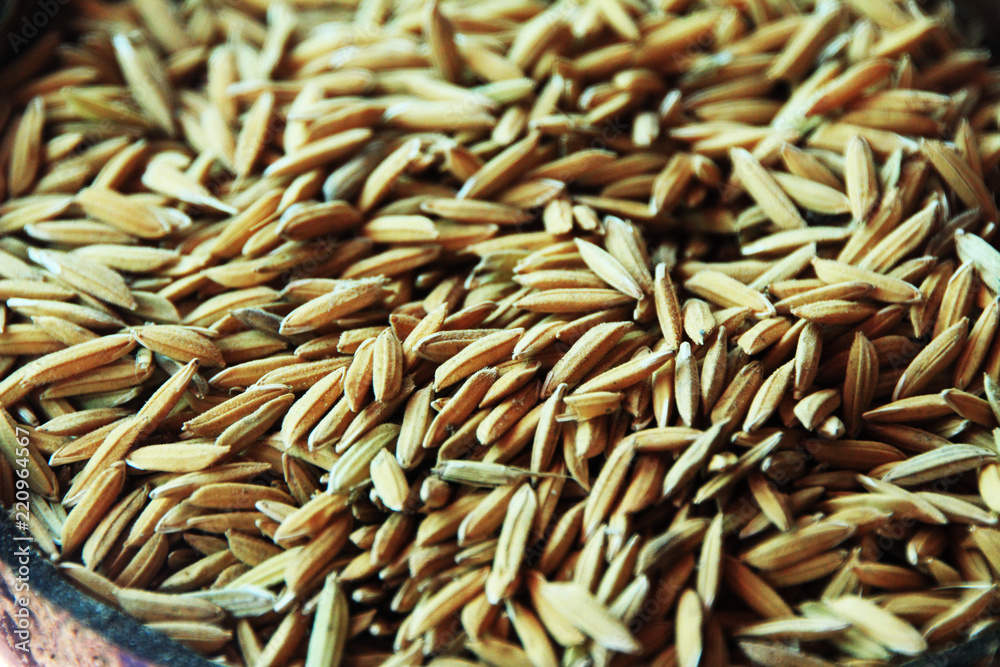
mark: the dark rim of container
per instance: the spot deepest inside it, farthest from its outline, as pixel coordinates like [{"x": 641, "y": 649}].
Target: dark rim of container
[{"x": 112, "y": 625}]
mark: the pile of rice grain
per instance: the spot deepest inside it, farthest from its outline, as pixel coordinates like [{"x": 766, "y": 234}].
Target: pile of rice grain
[{"x": 603, "y": 332}]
